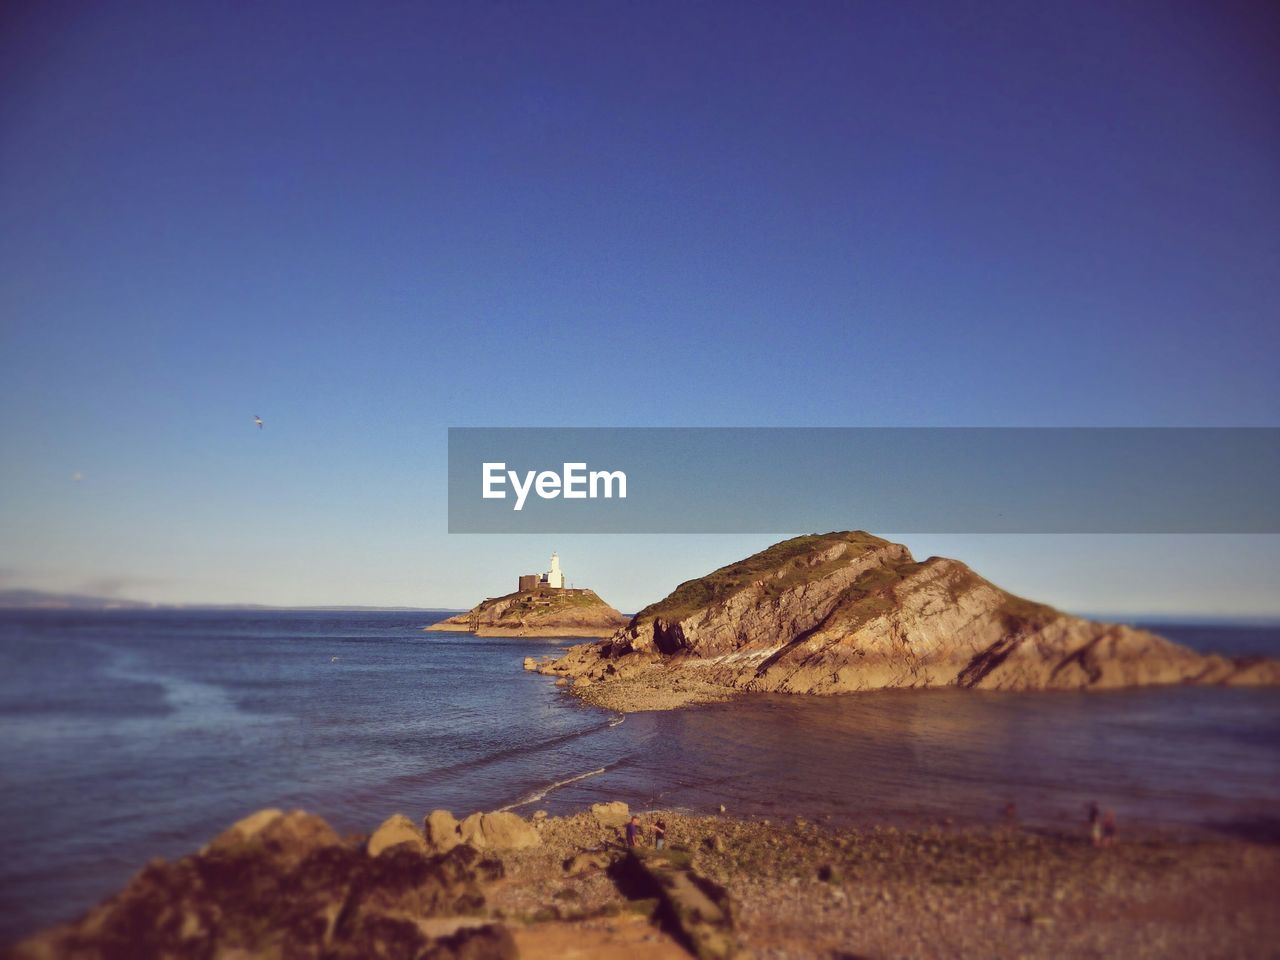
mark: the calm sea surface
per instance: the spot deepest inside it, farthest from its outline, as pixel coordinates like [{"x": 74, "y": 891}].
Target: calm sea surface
[{"x": 127, "y": 735}]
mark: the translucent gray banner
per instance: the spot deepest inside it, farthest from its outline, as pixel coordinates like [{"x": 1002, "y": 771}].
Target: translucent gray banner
[{"x": 903, "y": 480}]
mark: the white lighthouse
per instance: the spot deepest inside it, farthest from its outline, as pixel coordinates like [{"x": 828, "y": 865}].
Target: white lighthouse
[{"x": 555, "y": 576}]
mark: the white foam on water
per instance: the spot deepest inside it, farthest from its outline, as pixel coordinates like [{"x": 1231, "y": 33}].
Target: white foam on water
[{"x": 543, "y": 791}]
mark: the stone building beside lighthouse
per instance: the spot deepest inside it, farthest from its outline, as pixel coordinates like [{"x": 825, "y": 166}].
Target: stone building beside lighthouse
[{"x": 553, "y": 579}]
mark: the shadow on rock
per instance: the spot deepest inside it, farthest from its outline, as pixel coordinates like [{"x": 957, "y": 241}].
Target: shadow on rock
[{"x": 693, "y": 909}]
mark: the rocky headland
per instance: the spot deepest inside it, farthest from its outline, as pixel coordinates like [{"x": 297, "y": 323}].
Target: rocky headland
[
  {"x": 846, "y": 612},
  {"x": 541, "y": 612},
  {"x": 280, "y": 886}
]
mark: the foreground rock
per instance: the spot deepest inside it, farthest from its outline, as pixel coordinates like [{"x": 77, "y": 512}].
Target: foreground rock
[
  {"x": 844, "y": 612},
  {"x": 538, "y": 613},
  {"x": 497, "y": 831},
  {"x": 615, "y": 813},
  {"x": 278, "y": 886},
  {"x": 396, "y": 831},
  {"x": 441, "y": 831},
  {"x": 284, "y": 885}
]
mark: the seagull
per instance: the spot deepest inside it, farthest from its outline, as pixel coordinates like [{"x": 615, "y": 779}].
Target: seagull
[
  {"x": 257, "y": 420},
  {"x": 333, "y": 659}
]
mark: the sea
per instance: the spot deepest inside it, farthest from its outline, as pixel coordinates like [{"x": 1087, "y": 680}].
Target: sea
[{"x": 129, "y": 735}]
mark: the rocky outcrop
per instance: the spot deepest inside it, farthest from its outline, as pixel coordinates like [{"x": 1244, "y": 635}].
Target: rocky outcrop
[
  {"x": 615, "y": 813},
  {"x": 279, "y": 884},
  {"x": 497, "y": 831},
  {"x": 844, "y": 612},
  {"x": 283, "y": 839},
  {"x": 538, "y": 613},
  {"x": 396, "y": 830},
  {"x": 440, "y": 829}
]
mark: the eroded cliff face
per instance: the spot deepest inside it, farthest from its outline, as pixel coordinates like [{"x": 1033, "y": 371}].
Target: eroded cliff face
[
  {"x": 844, "y": 612},
  {"x": 538, "y": 613}
]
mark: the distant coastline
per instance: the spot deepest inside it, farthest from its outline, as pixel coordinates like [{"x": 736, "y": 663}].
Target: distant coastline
[
  {"x": 21, "y": 598},
  {"x": 25, "y": 599}
]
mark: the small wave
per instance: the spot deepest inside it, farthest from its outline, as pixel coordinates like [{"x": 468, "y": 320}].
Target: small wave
[
  {"x": 617, "y": 720},
  {"x": 543, "y": 791},
  {"x": 449, "y": 771}
]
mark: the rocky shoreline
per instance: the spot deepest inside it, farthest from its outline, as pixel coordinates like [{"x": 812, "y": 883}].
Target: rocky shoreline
[
  {"x": 652, "y": 689},
  {"x": 499, "y": 886}
]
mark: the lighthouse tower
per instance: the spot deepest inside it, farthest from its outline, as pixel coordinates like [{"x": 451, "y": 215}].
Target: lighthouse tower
[{"x": 555, "y": 576}]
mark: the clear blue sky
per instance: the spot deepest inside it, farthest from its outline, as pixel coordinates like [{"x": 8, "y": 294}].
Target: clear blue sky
[{"x": 369, "y": 222}]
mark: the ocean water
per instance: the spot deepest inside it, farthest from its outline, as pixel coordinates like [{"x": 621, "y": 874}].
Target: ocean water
[{"x": 130, "y": 735}]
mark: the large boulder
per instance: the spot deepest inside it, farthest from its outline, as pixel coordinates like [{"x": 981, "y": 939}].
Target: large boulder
[
  {"x": 498, "y": 831},
  {"x": 441, "y": 830},
  {"x": 613, "y": 814},
  {"x": 247, "y": 829},
  {"x": 395, "y": 830},
  {"x": 253, "y": 893},
  {"x": 283, "y": 839}
]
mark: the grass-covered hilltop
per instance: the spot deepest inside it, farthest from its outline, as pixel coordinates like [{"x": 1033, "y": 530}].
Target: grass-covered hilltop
[
  {"x": 540, "y": 612},
  {"x": 848, "y": 611}
]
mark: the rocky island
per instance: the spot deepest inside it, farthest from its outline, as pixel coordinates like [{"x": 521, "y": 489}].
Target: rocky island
[
  {"x": 848, "y": 611},
  {"x": 537, "y": 613},
  {"x": 542, "y": 606}
]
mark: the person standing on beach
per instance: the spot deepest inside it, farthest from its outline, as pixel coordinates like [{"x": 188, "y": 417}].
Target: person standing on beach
[
  {"x": 1109, "y": 828},
  {"x": 659, "y": 835},
  {"x": 633, "y": 831},
  {"x": 1095, "y": 824}
]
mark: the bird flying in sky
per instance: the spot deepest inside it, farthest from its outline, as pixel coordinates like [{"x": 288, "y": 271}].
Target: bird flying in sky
[{"x": 258, "y": 420}]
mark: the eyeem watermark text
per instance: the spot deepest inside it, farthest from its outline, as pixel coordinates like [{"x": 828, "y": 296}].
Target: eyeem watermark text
[{"x": 574, "y": 482}]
